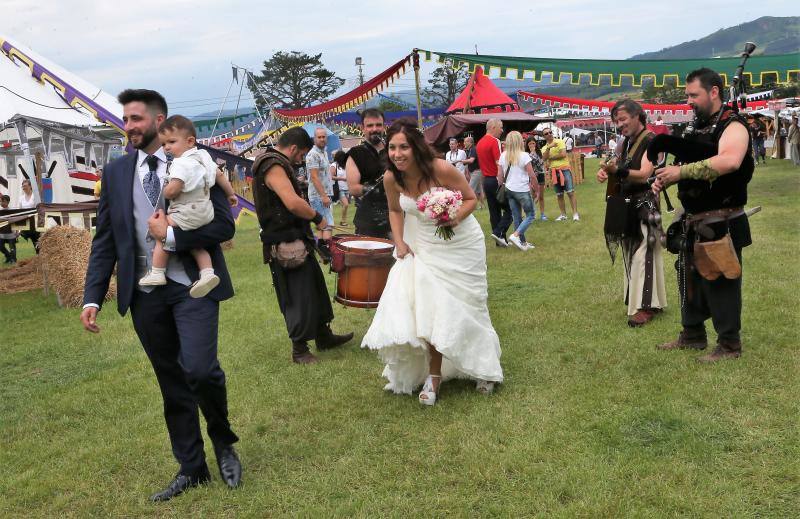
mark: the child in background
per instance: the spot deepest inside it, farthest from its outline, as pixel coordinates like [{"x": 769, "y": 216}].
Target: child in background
[{"x": 190, "y": 176}]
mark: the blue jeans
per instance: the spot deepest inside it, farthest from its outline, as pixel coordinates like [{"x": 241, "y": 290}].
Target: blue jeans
[{"x": 521, "y": 202}]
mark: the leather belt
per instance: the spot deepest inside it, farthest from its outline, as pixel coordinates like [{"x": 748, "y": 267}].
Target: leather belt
[
  {"x": 701, "y": 221},
  {"x": 717, "y": 215}
]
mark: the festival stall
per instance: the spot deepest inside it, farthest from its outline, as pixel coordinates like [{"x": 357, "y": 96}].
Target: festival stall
[
  {"x": 480, "y": 101},
  {"x": 475, "y": 124},
  {"x": 52, "y": 132},
  {"x": 593, "y": 106},
  {"x": 481, "y": 96}
]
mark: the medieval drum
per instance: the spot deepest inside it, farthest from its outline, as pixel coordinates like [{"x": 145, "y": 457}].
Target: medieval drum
[{"x": 362, "y": 265}]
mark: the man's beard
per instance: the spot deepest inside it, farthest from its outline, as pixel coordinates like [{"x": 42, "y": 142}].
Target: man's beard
[
  {"x": 375, "y": 138},
  {"x": 147, "y": 138},
  {"x": 702, "y": 114}
]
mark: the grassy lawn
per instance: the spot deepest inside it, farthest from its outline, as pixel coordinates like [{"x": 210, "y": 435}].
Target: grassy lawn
[{"x": 592, "y": 421}]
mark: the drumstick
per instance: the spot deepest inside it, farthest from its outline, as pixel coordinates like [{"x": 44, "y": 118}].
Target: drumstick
[{"x": 334, "y": 228}]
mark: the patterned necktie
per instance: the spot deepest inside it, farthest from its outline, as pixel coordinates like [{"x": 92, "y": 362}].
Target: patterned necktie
[{"x": 152, "y": 184}]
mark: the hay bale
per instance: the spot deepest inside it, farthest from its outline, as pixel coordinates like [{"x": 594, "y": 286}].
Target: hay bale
[
  {"x": 22, "y": 277},
  {"x": 64, "y": 256}
]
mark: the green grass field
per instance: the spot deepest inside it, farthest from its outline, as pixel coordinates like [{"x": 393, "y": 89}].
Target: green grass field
[{"x": 592, "y": 421}]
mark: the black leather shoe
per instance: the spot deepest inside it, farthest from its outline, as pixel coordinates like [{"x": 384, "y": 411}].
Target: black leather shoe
[
  {"x": 230, "y": 468},
  {"x": 179, "y": 485},
  {"x": 331, "y": 340},
  {"x": 304, "y": 358}
]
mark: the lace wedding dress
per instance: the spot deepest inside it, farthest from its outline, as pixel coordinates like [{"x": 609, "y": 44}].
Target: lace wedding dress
[{"x": 437, "y": 296}]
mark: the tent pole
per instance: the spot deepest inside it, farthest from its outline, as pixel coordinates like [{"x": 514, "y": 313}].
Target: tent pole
[
  {"x": 214, "y": 129},
  {"x": 416, "y": 81}
]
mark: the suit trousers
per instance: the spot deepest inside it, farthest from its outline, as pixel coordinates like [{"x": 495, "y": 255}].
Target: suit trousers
[
  {"x": 179, "y": 335},
  {"x": 499, "y": 214}
]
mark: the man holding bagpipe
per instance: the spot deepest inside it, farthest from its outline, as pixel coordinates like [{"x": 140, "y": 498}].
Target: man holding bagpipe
[
  {"x": 716, "y": 166},
  {"x": 633, "y": 219}
]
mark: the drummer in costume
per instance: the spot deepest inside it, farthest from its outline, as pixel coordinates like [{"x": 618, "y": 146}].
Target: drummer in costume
[
  {"x": 288, "y": 245},
  {"x": 366, "y": 164},
  {"x": 714, "y": 228},
  {"x": 638, "y": 228}
]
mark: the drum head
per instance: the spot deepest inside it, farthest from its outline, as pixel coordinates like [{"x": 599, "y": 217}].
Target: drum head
[{"x": 366, "y": 244}]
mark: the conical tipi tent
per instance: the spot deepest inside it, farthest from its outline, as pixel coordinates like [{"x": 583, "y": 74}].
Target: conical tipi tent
[{"x": 481, "y": 96}]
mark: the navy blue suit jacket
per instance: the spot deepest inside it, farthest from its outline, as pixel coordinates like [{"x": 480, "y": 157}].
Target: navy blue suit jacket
[{"x": 115, "y": 243}]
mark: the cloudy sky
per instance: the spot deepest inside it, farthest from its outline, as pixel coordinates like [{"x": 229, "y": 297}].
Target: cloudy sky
[{"x": 185, "y": 48}]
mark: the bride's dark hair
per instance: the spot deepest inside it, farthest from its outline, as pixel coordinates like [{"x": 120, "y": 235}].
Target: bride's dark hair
[{"x": 423, "y": 154}]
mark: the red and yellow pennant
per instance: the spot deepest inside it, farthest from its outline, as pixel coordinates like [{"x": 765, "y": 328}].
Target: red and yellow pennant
[
  {"x": 349, "y": 100},
  {"x": 595, "y": 106}
]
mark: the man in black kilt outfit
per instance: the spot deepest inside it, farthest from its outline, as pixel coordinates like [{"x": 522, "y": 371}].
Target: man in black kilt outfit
[
  {"x": 714, "y": 228},
  {"x": 288, "y": 244}
]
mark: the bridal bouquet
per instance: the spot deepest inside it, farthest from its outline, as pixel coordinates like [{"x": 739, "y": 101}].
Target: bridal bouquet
[{"x": 441, "y": 205}]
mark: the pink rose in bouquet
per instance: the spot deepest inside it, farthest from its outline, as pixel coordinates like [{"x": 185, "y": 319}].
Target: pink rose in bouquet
[{"x": 441, "y": 205}]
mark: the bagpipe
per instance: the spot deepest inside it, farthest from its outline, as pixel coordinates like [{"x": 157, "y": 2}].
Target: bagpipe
[{"x": 685, "y": 151}]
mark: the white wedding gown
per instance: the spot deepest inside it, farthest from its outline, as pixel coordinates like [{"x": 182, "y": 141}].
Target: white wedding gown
[{"x": 436, "y": 296}]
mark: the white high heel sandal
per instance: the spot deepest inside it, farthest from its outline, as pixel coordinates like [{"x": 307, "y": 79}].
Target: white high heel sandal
[
  {"x": 427, "y": 396},
  {"x": 484, "y": 387}
]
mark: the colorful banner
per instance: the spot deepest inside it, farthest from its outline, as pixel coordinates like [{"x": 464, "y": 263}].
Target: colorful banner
[
  {"x": 350, "y": 99},
  {"x": 244, "y": 206},
  {"x": 760, "y": 69},
  {"x": 593, "y": 106}
]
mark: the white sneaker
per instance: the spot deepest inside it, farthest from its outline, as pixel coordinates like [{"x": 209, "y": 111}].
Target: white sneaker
[
  {"x": 203, "y": 286},
  {"x": 500, "y": 241},
  {"x": 153, "y": 279},
  {"x": 576, "y": 217},
  {"x": 561, "y": 218},
  {"x": 528, "y": 246},
  {"x": 515, "y": 240}
]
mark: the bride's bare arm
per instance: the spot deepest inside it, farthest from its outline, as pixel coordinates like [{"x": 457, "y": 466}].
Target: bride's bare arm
[
  {"x": 396, "y": 217},
  {"x": 449, "y": 177}
]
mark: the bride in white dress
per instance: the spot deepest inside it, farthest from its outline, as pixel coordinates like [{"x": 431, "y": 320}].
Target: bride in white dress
[{"x": 432, "y": 322}]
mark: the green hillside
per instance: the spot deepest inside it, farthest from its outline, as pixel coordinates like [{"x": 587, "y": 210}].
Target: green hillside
[{"x": 772, "y": 34}]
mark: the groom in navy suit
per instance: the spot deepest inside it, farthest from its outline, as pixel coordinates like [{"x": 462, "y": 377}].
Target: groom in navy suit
[{"x": 178, "y": 332}]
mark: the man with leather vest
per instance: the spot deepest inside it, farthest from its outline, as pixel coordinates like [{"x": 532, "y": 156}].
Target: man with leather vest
[
  {"x": 713, "y": 192},
  {"x": 645, "y": 292},
  {"x": 288, "y": 246},
  {"x": 366, "y": 164}
]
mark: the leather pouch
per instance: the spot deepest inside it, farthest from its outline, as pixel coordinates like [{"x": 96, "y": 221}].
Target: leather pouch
[
  {"x": 715, "y": 258},
  {"x": 291, "y": 254},
  {"x": 616, "y": 215}
]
